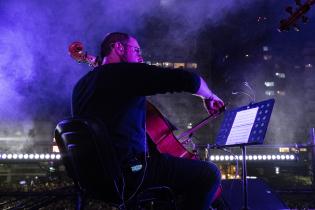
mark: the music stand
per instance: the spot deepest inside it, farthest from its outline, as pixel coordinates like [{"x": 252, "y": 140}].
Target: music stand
[{"x": 244, "y": 126}]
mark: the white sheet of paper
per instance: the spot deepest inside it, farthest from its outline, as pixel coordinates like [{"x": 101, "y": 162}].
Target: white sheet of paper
[{"x": 242, "y": 126}]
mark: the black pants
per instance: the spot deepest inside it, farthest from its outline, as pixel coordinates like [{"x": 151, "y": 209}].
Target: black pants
[{"x": 197, "y": 181}]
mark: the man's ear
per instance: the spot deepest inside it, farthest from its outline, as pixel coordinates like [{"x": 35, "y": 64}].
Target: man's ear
[{"x": 119, "y": 48}]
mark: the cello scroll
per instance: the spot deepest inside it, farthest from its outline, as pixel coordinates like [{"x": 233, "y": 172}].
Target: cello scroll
[{"x": 76, "y": 52}]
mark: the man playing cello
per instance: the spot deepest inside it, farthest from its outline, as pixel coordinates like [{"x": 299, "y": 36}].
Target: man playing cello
[{"x": 116, "y": 91}]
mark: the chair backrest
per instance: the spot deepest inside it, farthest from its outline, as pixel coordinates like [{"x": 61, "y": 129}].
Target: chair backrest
[{"x": 88, "y": 155}]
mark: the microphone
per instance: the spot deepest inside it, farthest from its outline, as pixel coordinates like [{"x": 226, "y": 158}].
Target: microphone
[
  {"x": 251, "y": 96},
  {"x": 244, "y": 93}
]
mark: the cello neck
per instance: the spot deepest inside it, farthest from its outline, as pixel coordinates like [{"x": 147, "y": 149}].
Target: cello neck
[{"x": 200, "y": 124}]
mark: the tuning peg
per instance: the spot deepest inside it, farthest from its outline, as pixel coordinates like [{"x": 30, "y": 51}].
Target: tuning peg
[
  {"x": 97, "y": 60},
  {"x": 298, "y": 2},
  {"x": 296, "y": 28},
  {"x": 283, "y": 29},
  {"x": 283, "y": 26},
  {"x": 289, "y": 9},
  {"x": 304, "y": 19}
]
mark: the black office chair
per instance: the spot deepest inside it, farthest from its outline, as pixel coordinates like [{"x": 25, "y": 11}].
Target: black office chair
[{"x": 89, "y": 156}]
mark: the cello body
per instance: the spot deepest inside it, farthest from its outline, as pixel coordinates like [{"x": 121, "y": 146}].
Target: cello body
[{"x": 160, "y": 132}]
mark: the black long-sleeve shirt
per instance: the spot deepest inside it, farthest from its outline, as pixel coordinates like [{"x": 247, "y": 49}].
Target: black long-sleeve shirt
[{"x": 115, "y": 93}]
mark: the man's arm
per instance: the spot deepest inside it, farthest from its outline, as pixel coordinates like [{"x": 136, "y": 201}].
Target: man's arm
[
  {"x": 142, "y": 79},
  {"x": 204, "y": 91},
  {"x": 211, "y": 102},
  {"x": 138, "y": 79}
]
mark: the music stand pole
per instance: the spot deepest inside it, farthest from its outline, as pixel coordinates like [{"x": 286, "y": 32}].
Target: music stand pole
[{"x": 244, "y": 169}]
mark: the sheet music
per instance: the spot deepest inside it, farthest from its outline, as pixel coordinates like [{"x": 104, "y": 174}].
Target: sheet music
[{"x": 242, "y": 126}]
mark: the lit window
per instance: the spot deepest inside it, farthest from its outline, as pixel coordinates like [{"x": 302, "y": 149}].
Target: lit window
[
  {"x": 284, "y": 149},
  {"x": 191, "y": 65},
  {"x": 308, "y": 65},
  {"x": 22, "y": 182},
  {"x": 265, "y": 48},
  {"x": 179, "y": 65},
  {"x": 267, "y": 57},
  {"x": 148, "y": 62},
  {"x": 168, "y": 65},
  {"x": 157, "y": 64},
  {"x": 189, "y": 126},
  {"x": 269, "y": 84},
  {"x": 281, "y": 92},
  {"x": 303, "y": 150},
  {"x": 280, "y": 75},
  {"x": 55, "y": 149},
  {"x": 261, "y": 19},
  {"x": 270, "y": 92}
]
